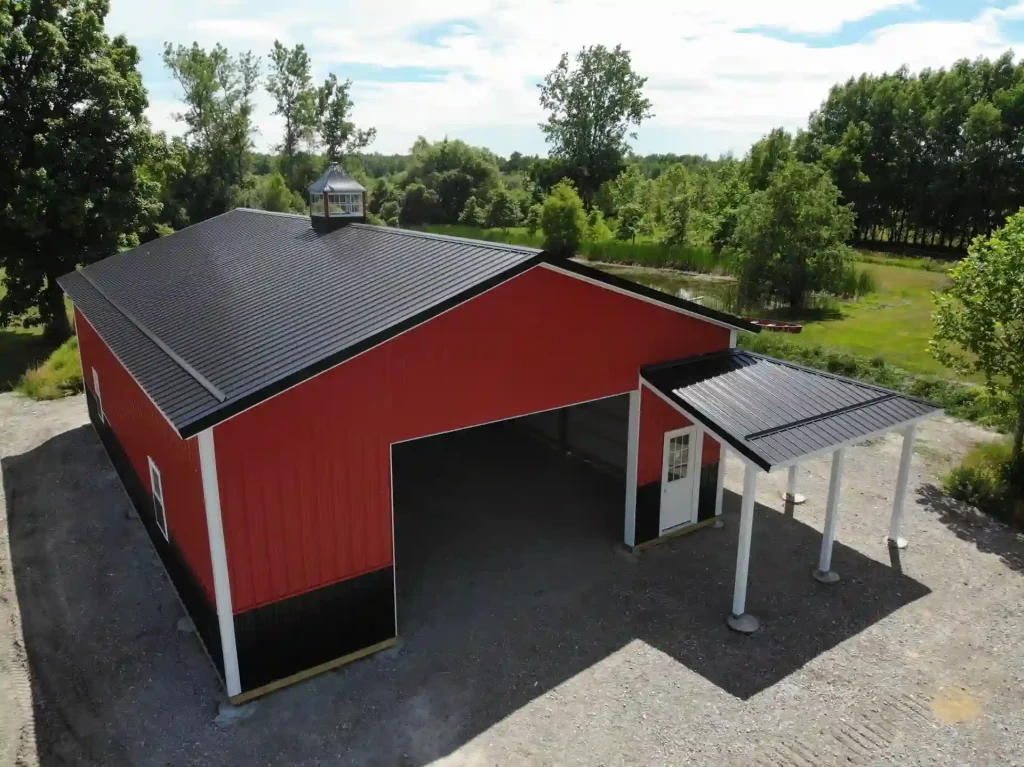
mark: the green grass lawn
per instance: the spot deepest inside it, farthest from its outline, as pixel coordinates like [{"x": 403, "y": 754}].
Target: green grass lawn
[
  {"x": 894, "y": 323},
  {"x": 20, "y": 350}
]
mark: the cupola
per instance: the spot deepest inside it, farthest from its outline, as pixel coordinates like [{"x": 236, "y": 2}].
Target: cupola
[{"x": 336, "y": 199}]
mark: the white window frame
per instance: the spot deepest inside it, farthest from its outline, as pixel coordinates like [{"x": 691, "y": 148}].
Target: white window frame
[
  {"x": 98, "y": 396},
  {"x": 316, "y": 203},
  {"x": 156, "y": 489}
]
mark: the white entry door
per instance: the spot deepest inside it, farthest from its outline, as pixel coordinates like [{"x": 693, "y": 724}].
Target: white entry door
[{"x": 679, "y": 483}]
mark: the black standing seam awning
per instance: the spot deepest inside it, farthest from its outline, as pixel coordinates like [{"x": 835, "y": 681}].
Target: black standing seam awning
[{"x": 774, "y": 412}]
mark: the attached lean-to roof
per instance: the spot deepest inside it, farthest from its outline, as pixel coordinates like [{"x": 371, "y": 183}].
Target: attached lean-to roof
[
  {"x": 217, "y": 317},
  {"x": 775, "y": 412}
]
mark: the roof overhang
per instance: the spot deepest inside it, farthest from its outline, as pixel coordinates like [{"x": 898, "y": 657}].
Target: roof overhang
[{"x": 776, "y": 414}]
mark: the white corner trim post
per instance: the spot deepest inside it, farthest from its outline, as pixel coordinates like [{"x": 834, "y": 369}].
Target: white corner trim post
[
  {"x": 902, "y": 478},
  {"x": 824, "y": 573},
  {"x": 720, "y": 486},
  {"x": 219, "y": 560},
  {"x": 632, "y": 456},
  {"x": 739, "y": 620},
  {"x": 791, "y": 496}
]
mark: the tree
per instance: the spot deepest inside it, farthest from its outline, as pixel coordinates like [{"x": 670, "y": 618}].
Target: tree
[
  {"x": 338, "y": 133},
  {"x": 766, "y": 156},
  {"x": 630, "y": 186},
  {"x": 791, "y": 238},
  {"x": 979, "y": 320},
  {"x": 633, "y": 221},
  {"x": 597, "y": 229},
  {"x": 217, "y": 89},
  {"x": 291, "y": 85},
  {"x": 592, "y": 106},
  {"x": 677, "y": 220},
  {"x": 562, "y": 219},
  {"x": 533, "y": 218},
  {"x": 504, "y": 211},
  {"x": 474, "y": 214},
  {"x": 419, "y": 206},
  {"x": 73, "y": 139},
  {"x": 454, "y": 171},
  {"x": 390, "y": 212}
]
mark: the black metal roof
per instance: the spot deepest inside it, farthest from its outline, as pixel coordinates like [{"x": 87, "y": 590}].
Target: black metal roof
[
  {"x": 221, "y": 315},
  {"x": 775, "y": 412},
  {"x": 335, "y": 179}
]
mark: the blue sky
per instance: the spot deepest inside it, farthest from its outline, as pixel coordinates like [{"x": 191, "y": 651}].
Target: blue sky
[{"x": 721, "y": 72}]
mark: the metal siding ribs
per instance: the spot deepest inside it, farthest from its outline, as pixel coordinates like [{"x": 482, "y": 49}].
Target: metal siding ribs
[{"x": 774, "y": 411}]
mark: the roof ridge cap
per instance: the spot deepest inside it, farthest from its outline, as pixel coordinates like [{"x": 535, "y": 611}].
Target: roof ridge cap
[{"x": 403, "y": 232}]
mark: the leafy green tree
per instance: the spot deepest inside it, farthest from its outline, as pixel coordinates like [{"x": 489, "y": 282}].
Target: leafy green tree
[
  {"x": 278, "y": 196},
  {"x": 454, "y": 171},
  {"x": 380, "y": 193},
  {"x": 73, "y": 138},
  {"x": 633, "y": 222},
  {"x": 791, "y": 238},
  {"x": 533, "y": 218},
  {"x": 419, "y": 206},
  {"x": 291, "y": 85},
  {"x": 677, "y": 220},
  {"x": 597, "y": 228},
  {"x": 630, "y": 186},
  {"x": 338, "y": 133},
  {"x": 390, "y": 212},
  {"x": 474, "y": 214},
  {"x": 979, "y": 320},
  {"x": 504, "y": 211},
  {"x": 562, "y": 219},
  {"x": 592, "y": 106},
  {"x": 217, "y": 89},
  {"x": 766, "y": 156}
]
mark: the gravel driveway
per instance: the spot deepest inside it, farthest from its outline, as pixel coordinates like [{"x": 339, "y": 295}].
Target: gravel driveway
[{"x": 588, "y": 657}]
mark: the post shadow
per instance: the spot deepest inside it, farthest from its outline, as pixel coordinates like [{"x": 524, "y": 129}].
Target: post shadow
[{"x": 509, "y": 585}]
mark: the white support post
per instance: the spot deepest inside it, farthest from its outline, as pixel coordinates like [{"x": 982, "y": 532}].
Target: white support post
[
  {"x": 632, "y": 453},
  {"x": 720, "y": 487},
  {"x": 902, "y": 478},
  {"x": 739, "y": 620},
  {"x": 219, "y": 560},
  {"x": 791, "y": 496},
  {"x": 824, "y": 573}
]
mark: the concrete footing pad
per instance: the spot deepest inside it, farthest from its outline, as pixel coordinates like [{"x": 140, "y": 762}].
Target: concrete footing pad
[
  {"x": 898, "y": 543},
  {"x": 829, "y": 577},
  {"x": 744, "y": 624}
]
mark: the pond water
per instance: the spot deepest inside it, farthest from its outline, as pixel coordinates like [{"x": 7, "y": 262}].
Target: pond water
[{"x": 711, "y": 291}]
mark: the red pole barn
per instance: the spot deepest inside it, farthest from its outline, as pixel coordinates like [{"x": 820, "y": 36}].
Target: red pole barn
[{"x": 250, "y": 375}]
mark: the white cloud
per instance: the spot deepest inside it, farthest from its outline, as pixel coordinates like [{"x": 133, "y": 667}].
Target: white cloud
[{"x": 718, "y": 74}]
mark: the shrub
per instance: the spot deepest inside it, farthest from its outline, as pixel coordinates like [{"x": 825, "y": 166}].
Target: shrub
[
  {"x": 983, "y": 480},
  {"x": 59, "y": 376},
  {"x": 562, "y": 219}
]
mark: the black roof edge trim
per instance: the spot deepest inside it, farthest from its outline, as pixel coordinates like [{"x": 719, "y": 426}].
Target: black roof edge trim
[
  {"x": 655, "y": 295},
  {"x": 155, "y": 339},
  {"x": 736, "y": 443},
  {"x": 397, "y": 231},
  {"x": 655, "y": 367},
  {"x": 234, "y": 407},
  {"x": 821, "y": 416}
]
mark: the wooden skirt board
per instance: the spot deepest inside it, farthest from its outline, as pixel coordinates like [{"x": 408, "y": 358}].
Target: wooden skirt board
[{"x": 314, "y": 671}]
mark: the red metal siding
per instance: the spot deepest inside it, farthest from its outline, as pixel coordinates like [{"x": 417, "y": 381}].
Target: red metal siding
[
  {"x": 656, "y": 418},
  {"x": 143, "y": 431},
  {"x": 305, "y": 476}
]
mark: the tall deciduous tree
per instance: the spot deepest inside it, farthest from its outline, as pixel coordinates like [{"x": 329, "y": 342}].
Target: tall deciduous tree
[
  {"x": 217, "y": 89},
  {"x": 979, "y": 321},
  {"x": 592, "y": 106},
  {"x": 338, "y": 133},
  {"x": 791, "y": 237},
  {"x": 291, "y": 84},
  {"x": 72, "y": 138}
]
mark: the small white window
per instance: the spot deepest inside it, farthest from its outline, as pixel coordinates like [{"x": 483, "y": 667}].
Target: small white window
[
  {"x": 157, "y": 488},
  {"x": 96, "y": 394}
]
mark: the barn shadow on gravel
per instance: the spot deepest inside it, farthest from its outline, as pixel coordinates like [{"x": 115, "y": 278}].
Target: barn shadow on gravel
[{"x": 509, "y": 584}]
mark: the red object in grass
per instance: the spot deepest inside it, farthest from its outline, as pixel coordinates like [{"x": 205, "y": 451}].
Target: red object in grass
[{"x": 776, "y": 326}]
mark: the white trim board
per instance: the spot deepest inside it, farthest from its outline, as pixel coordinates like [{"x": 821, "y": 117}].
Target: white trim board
[
  {"x": 632, "y": 466},
  {"x": 219, "y": 560},
  {"x": 631, "y": 294}
]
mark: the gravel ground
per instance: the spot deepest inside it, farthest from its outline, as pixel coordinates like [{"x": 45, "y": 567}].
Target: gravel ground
[{"x": 528, "y": 637}]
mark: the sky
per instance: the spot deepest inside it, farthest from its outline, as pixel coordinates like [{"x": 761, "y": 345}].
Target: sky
[{"x": 721, "y": 73}]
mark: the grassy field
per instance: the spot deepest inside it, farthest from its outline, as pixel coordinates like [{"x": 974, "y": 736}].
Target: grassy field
[
  {"x": 893, "y": 323},
  {"x": 20, "y": 349}
]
